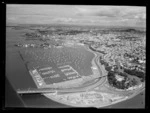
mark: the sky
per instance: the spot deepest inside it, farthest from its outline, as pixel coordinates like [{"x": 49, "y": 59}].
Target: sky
[{"x": 132, "y": 16}]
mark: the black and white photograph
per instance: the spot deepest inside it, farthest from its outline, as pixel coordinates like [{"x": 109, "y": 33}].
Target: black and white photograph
[{"x": 75, "y": 56}]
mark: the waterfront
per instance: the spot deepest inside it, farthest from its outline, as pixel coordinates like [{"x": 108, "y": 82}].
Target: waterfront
[{"x": 18, "y": 75}]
